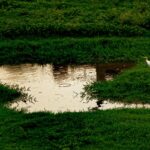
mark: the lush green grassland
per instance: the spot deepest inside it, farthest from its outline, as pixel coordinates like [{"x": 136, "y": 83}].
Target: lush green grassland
[
  {"x": 115, "y": 129},
  {"x": 24, "y": 23},
  {"x": 73, "y": 50},
  {"x": 20, "y": 20},
  {"x": 75, "y": 18}
]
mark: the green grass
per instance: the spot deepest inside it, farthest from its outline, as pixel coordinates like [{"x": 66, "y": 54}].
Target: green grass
[
  {"x": 131, "y": 86},
  {"x": 67, "y": 28},
  {"x": 119, "y": 129},
  {"x": 73, "y": 50},
  {"x": 7, "y": 94},
  {"x": 43, "y": 18}
]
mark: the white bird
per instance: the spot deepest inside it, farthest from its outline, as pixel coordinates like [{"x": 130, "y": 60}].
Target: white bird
[{"x": 147, "y": 61}]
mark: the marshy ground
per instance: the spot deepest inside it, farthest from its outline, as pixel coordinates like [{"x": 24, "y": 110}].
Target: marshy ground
[{"x": 78, "y": 32}]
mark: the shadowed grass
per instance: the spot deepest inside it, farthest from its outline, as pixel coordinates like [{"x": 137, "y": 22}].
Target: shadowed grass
[
  {"x": 120, "y": 129},
  {"x": 7, "y": 94},
  {"x": 73, "y": 50}
]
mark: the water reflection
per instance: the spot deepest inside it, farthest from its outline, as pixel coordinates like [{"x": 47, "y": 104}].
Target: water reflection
[
  {"x": 60, "y": 72},
  {"x": 56, "y": 88},
  {"x": 107, "y": 71}
]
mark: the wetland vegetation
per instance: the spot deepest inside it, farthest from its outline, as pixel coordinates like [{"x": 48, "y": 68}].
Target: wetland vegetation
[{"x": 78, "y": 32}]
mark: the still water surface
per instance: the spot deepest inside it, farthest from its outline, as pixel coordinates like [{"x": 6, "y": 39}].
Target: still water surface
[{"x": 58, "y": 88}]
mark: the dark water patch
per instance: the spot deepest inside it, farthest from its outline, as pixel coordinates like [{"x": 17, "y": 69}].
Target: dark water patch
[{"x": 108, "y": 71}]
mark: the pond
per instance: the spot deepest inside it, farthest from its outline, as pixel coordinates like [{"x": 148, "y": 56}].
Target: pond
[{"x": 58, "y": 88}]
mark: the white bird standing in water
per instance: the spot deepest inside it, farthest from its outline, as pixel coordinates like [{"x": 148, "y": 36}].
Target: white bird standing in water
[{"x": 147, "y": 61}]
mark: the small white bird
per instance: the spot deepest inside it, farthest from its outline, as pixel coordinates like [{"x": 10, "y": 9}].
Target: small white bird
[{"x": 147, "y": 61}]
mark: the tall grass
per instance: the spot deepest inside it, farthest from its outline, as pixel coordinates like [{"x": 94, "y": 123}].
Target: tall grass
[
  {"x": 73, "y": 50},
  {"x": 44, "y": 18}
]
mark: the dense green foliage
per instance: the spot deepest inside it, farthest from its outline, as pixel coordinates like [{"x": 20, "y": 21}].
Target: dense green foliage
[
  {"x": 73, "y": 50},
  {"x": 7, "y": 94},
  {"x": 131, "y": 86},
  {"x": 118, "y": 129},
  {"x": 24, "y": 23},
  {"x": 75, "y": 17}
]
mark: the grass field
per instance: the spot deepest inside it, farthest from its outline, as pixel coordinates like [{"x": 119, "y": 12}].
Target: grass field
[
  {"x": 74, "y": 50},
  {"x": 78, "y": 32},
  {"x": 119, "y": 129},
  {"x": 43, "y": 18}
]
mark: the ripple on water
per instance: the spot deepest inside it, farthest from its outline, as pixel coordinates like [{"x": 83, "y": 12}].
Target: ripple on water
[{"x": 58, "y": 88}]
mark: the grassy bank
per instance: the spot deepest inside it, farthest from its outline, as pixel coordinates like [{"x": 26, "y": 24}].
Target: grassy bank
[
  {"x": 50, "y": 31},
  {"x": 7, "y": 94},
  {"x": 118, "y": 129},
  {"x": 44, "y": 18},
  {"x": 73, "y": 50},
  {"x": 131, "y": 86}
]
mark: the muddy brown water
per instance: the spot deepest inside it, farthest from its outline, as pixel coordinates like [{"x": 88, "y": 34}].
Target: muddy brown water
[{"x": 58, "y": 88}]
